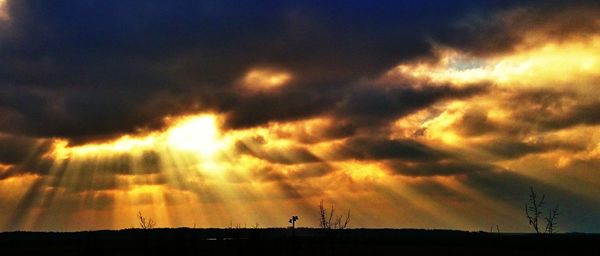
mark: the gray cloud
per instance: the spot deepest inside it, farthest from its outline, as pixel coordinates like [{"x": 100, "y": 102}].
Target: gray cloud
[
  {"x": 364, "y": 148},
  {"x": 439, "y": 168},
  {"x": 290, "y": 155}
]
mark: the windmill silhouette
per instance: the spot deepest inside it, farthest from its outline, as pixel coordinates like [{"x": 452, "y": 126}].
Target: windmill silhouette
[{"x": 293, "y": 220}]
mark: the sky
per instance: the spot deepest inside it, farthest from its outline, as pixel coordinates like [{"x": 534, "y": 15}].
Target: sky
[{"x": 408, "y": 114}]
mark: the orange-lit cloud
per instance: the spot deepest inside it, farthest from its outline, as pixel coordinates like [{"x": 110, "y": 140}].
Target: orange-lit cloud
[
  {"x": 550, "y": 64},
  {"x": 262, "y": 79},
  {"x": 3, "y": 12}
]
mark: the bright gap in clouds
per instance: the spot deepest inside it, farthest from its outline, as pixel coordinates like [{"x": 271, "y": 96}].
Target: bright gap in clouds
[
  {"x": 547, "y": 64},
  {"x": 198, "y": 133}
]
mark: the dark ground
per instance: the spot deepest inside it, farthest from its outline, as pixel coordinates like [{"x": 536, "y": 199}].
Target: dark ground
[{"x": 272, "y": 241}]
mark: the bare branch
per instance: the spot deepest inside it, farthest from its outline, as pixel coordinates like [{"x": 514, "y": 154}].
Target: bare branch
[
  {"x": 551, "y": 223},
  {"x": 347, "y": 221},
  {"x": 323, "y": 213},
  {"x": 533, "y": 210},
  {"x": 145, "y": 223},
  {"x": 330, "y": 217}
]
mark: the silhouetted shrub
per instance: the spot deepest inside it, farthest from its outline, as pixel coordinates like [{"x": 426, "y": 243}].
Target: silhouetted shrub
[
  {"x": 145, "y": 223},
  {"x": 328, "y": 221}
]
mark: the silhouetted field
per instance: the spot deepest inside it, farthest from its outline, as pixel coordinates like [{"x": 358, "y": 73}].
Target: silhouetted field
[{"x": 274, "y": 241}]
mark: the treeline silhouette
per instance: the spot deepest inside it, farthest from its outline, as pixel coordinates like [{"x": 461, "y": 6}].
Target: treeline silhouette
[
  {"x": 332, "y": 237},
  {"x": 307, "y": 241}
]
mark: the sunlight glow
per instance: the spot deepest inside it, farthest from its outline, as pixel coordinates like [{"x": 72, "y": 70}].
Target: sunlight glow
[
  {"x": 363, "y": 170},
  {"x": 123, "y": 144},
  {"x": 3, "y": 12},
  {"x": 198, "y": 134}
]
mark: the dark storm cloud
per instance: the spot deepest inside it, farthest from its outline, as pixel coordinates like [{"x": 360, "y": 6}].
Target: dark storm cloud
[
  {"x": 24, "y": 155},
  {"x": 297, "y": 171},
  {"x": 475, "y": 123},
  {"x": 81, "y": 114},
  {"x": 288, "y": 155},
  {"x": 501, "y": 31},
  {"x": 365, "y": 148},
  {"x": 355, "y": 105},
  {"x": 333, "y": 129},
  {"x": 584, "y": 113},
  {"x": 39, "y": 166},
  {"x": 508, "y": 148},
  {"x": 17, "y": 149},
  {"x": 340, "y": 129},
  {"x": 88, "y": 70},
  {"x": 100, "y": 172},
  {"x": 439, "y": 168},
  {"x": 538, "y": 110},
  {"x": 369, "y": 106},
  {"x": 292, "y": 103},
  {"x": 122, "y": 164}
]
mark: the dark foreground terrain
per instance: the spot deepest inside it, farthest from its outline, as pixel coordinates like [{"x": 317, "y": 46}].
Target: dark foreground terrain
[{"x": 372, "y": 242}]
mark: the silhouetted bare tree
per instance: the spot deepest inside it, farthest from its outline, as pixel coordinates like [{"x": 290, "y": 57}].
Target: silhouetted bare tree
[
  {"x": 533, "y": 210},
  {"x": 328, "y": 221},
  {"x": 497, "y": 229},
  {"x": 551, "y": 223},
  {"x": 145, "y": 223}
]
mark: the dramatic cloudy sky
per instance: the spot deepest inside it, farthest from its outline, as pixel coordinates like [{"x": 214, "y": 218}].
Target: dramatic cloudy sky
[{"x": 410, "y": 114}]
